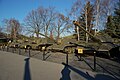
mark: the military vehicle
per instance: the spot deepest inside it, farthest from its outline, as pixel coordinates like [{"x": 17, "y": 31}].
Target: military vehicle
[
  {"x": 14, "y": 44},
  {"x": 4, "y": 42},
  {"x": 63, "y": 46},
  {"x": 25, "y": 44},
  {"x": 30, "y": 43},
  {"x": 102, "y": 47}
]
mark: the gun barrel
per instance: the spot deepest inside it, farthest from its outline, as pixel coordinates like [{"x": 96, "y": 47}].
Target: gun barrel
[{"x": 76, "y": 23}]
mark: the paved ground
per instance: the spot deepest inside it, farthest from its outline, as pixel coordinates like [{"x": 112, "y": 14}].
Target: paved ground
[{"x": 18, "y": 67}]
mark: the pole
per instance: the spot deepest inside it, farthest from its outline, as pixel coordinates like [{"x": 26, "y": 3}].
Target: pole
[
  {"x": 29, "y": 52},
  {"x": 7, "y": 48},
  {"x": 13, "y": 49},
  {"x": 94, "y": 61},
  {"x": 43, "y": 55},
  {"x": 67, "y": 58},
  {"x": 3, "y": 47},
  {"x": 78, "y": 33},
  {"x": 19, "y": 50}
]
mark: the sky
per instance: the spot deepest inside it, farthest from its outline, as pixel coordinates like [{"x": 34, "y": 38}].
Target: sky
[{"x": 19, "y": 9}]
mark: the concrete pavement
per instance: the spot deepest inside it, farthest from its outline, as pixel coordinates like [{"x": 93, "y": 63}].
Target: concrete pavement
[{"x": 17, "y": 67}]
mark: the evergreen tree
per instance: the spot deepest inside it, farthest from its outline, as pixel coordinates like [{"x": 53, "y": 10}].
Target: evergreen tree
[
  {"x": 113, "y": 23},
  {"x": 117, "y": 20},
  {"x": 110, "y": 26}
]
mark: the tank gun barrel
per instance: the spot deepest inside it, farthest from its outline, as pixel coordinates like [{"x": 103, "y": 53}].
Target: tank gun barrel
[{"x": 76, "y": 23}]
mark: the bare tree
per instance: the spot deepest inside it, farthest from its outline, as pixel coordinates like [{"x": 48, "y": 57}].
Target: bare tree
[
  {"x": 103, "y": 8},
  {"x": 61, "y": 24},
  {"x": 48, "y": 19},
  {"x": 1, "y": 33},
  {"x": 108, "y": 6},
  {"x": 0, "y": 29},
  {"x": 13, "y": 27},
  {"x": 97, "y": 8},
  {"x": 78, "y": 10},
  {"x": 88, "y": 18},
  {"x": 75, "y": 13},
  {"x": 40, "y": 20},
  {"x": 33, "y": 22}
]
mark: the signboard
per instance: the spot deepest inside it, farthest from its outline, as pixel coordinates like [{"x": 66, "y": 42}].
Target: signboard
[{"x": 80, "y": 50}]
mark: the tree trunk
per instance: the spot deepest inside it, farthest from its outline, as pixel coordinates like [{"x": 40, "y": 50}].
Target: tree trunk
[
  {"x": 86, "y": 24},
  {"x": 78, "y": 33},
  {"x": 37, "y": 35},
  {"x": 97, "y": 16}
]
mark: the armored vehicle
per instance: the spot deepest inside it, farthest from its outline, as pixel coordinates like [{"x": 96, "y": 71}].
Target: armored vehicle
[
  {"x": 5, "y": 42},
  {"x": 108, "y": 48},
  {"x": 31, "y": 43}
]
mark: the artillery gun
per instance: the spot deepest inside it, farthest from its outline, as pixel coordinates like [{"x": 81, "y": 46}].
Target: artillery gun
[
  {"x": 25, "y": 44},
  {"x": 108, "y": 48},
  {"x": 5, "y": 42},
  {"x": 14, "y": 44},
  {"x": 30, "y": 44}
]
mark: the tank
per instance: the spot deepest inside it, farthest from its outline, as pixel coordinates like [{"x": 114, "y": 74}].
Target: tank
[
  {"x": 31, "y": 43},
  {"x": 5, "y": 42},
  {"x": 111, "y": 49}
]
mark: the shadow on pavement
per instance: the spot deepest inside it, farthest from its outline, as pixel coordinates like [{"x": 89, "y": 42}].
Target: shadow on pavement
[
  {"x": 88, "y": 64},
  {"x": 104, "y": 77},
  {"x": 86, "y": 75},
  {"x": 65, "y": 73},
  {"x": 27, "y": 75}
]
